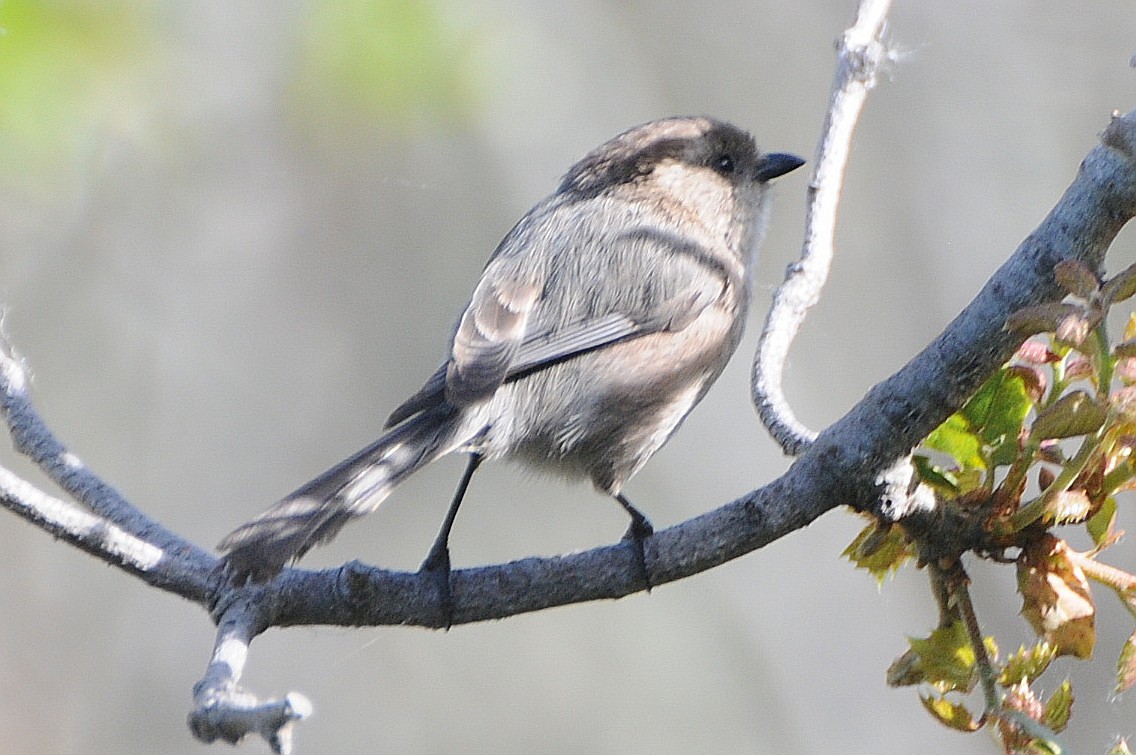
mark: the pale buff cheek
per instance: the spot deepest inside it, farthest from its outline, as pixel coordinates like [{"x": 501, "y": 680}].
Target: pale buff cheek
[
  {"x": 702, "y": 192},
  {"x": 754, "y": 231}
]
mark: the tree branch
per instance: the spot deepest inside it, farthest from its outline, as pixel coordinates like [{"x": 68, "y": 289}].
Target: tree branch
[
  {"x": 225, "y": 711},
  {"x": 113, "y": 529},
  {"x": 849, "y": 463}
]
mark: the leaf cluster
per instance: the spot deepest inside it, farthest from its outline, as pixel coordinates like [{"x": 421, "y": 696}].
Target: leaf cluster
[{"x": 1045, "y": 445}]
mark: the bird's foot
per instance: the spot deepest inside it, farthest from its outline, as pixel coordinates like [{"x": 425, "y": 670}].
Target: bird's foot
[
  {"x": 437, "y": 567},
  {"x": 637, "y": 533}
]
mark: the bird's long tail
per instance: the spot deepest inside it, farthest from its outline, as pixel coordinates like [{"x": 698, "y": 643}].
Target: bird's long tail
[{"x": 314, "y": 513}]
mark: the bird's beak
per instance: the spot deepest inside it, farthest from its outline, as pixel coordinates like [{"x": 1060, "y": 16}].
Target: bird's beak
[{"x": 777, "y": 164}]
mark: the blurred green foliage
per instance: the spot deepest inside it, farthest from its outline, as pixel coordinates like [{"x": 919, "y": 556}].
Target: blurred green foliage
[
  {"x": 66, "y": 67},
  {"x": 387, "y": 64},
  {"x": 70, "y": 70}
]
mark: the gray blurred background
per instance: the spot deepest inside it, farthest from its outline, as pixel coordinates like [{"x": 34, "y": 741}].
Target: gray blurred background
[{"x": 234, "y": 235}]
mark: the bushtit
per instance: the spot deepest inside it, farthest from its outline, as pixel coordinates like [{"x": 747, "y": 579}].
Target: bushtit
[{"x": 601, "y": 319}]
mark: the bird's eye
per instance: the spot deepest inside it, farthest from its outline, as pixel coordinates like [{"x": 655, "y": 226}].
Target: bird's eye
[{"x": 724, "y": 164}]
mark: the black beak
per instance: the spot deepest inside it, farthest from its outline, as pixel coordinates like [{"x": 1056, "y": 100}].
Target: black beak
[{"x": 777, "y": 164}]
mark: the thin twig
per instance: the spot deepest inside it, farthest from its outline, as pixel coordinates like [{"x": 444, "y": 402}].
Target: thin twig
[
  {"x": 1117, "y": 579},
  {"x": 959, "y": 584},
  {"x": 956, "y": 577},
  {"x": 32, "y": 437},
  {"x": 225, "y": 711},
  {"x": 112, "y": 529},
  {"x": 861, "y": 52}
]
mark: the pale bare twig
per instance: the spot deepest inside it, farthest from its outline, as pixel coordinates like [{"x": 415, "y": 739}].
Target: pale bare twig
[
  {"x": 861, "y": 52},
  {"x": 222, "y": 708}
]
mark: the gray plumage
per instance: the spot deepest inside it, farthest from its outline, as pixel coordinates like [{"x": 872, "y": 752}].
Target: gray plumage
[{"x": 601, "y": 319}]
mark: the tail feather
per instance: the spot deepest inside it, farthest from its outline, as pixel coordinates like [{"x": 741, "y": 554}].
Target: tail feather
[{"x": 317, "y": 511}]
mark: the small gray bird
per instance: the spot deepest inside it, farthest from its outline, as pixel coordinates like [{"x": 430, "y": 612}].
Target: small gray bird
[{"x": 599, "y": 322}]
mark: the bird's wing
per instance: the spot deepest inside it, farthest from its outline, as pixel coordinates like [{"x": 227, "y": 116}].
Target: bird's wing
[
  {"x": 489, "y": 335},
  {"x": 510, "y": 329},
  {"x": 548, "y": 347},
  {"x": 537, "y": 351}
]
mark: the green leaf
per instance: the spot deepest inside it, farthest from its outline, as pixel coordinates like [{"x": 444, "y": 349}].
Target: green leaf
[
  {"x": 1121, "y": 286},
  {"x": 946, "y": 657},
  {"x": 1058, "y": 708},
  {"x": 985, "y": 431},
  {"x": 1071, "y": 415},
  {"x": 879, "y": 550},
  {"x": 942, "y": 480},
  {"x": 1027, "y": 664},
  {"x": 1126, "y": 665},
  {"x": 955, "y": 437},
  {"x": 1047, "y": 747},
  {"x": 986, "y": 409},
  {"x": 1075, "y": 277},
  {"x": 997, "y": 412},
  {"x": 1100, "y": 525},
  {"x": 952, "y": 714}
]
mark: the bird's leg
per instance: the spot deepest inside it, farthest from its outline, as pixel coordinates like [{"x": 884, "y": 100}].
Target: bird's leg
[
  {"x": 437, "y": 563},
  {"x": 637, "y": 533}
]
